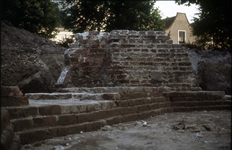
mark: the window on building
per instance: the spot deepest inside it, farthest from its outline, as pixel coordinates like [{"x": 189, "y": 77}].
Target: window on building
[{"x": 182, "y": 36}]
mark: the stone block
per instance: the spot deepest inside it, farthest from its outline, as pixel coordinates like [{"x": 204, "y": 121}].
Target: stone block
[
  {"x": 169, "y": 110},
  {"x": 100, "y": 115},
  {"x": 22, "y": 124},
  {"x": 52, "y": 132},
  {"x": 74, "y": 129},
  {"x": 45, "y": 110},
  {"x": 44, "y": 121},
  {"x": 227, "y": 107},
  {"x": 113, "y": 112},
  {"x": 142, "y": 108},
  {"x": 111, "y": 96},
  {"x": 179, "y": 104},
  {"x": 22, "y": 112},
  {"x": 164, "y": 46},
  {"x": 66, "y": 119},
  {"x": 62, "y": 131},
  {"x": 82, "y": 108},
  {"x": 97, "y": 125},
  {"x": 130, "y": 117},
  {"x": 90, "y": 107},
  {"x": 89, "y": 127},
  {"x": 56, "y": 109},
  {"x": 162, "y": 105},
  {"x": 114, "y": 120},
  {"x": 33, "y": 136},
  {"x": 192, "y": 108},
  {"x": 180, "y": 109},
  {"x": 85, "y": 117}
]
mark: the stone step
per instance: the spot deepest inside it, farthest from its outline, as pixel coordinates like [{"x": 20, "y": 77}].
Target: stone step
[
  {"x": 43, "y": 133},
  {"x": 149, "y": 58},
  {"x": 116, "y": 89},
  {"x": 145, "y": 51},
  {"x": 138, "y": 52},
  {"x": 123, "y": 107},
  {"x": 193, "y": 95},
  {"x": 126, "y": 70},
  {"x": 200, "y": 103},
  {"x": 202, "y": 108},
  {"x": 227, "y": 97},
  {"x": 58, "y": 107},
  {"x": 74, "y": 117},
  {"x": 137, "y": 63},
  {"x": 93, "y": 121},
  {"x": 77, "y": 96}
]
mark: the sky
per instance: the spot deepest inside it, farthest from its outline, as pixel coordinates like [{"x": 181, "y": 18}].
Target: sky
[{"x": 170, "y": 8}]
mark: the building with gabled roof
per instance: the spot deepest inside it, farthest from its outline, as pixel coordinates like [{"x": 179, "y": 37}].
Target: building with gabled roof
[{"x": 179, "y": 30}]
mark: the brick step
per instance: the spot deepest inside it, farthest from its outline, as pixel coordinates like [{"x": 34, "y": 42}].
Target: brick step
[
  {"x": 57, "y": 107},
  {"x": 77, "y": 116},
  {"x": 33, "y": 135},
  {"x": 138, "y": 52},
  {"x": 150, "y": 51},
  {"x": 201, "y": 108},
  {"x": 119, "y": 115},
  {"x": 227, "y": 97},
  {"x": 201, "y": 103},
  {"x": 48, "y": 116},
  {"x": 77, "y": 96},
  {"x": 140, "y": 44},
  {"x": 137, "y": 62},
  {"x": 128, "y": 70},
  {"x": 150, "y": 69},
  {"x": 192, "y": 95},
  {"x": 69, "y": 119},
  {"x": 115, "y": 89},
  {"x": 150, "y": 58},
  {"x": 154, "y": 61}
]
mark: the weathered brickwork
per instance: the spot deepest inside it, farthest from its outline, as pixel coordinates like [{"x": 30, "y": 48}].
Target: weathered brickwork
[{"x": 127, "y": 58}]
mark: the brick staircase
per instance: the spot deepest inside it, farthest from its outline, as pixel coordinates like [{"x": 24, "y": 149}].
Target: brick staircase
[
  {"x": 72, "y": 110},
  {"x": 109, "y": 78}
]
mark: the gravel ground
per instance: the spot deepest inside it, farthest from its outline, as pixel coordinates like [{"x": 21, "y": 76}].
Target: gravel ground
[{"x": 202, "y": 130}]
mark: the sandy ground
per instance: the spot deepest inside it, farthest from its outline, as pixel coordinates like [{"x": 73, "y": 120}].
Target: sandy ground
[{"x": 203, "y": 130}]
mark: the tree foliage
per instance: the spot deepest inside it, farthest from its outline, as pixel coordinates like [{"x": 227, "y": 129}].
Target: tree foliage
[
  {"x": 111, "y": 15},
  {"x": 37, "y": 16},
  {"x": 214, "y": 22}
]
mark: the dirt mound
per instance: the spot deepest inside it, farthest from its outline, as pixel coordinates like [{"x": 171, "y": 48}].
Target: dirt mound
[{"x": 29, "y": 61}]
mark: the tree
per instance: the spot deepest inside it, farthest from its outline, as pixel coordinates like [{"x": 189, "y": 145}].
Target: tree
[
  {"x": 37, "y": 16},
  {"x": 111, "y": 15},
  {"x": 214, "y": 22}
]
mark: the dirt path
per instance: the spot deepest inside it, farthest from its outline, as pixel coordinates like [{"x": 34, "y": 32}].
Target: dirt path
[{"x": 203, "y": 130}]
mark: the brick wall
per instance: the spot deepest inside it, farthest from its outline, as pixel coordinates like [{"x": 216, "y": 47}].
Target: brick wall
[{"x": 127, "y": 58}]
